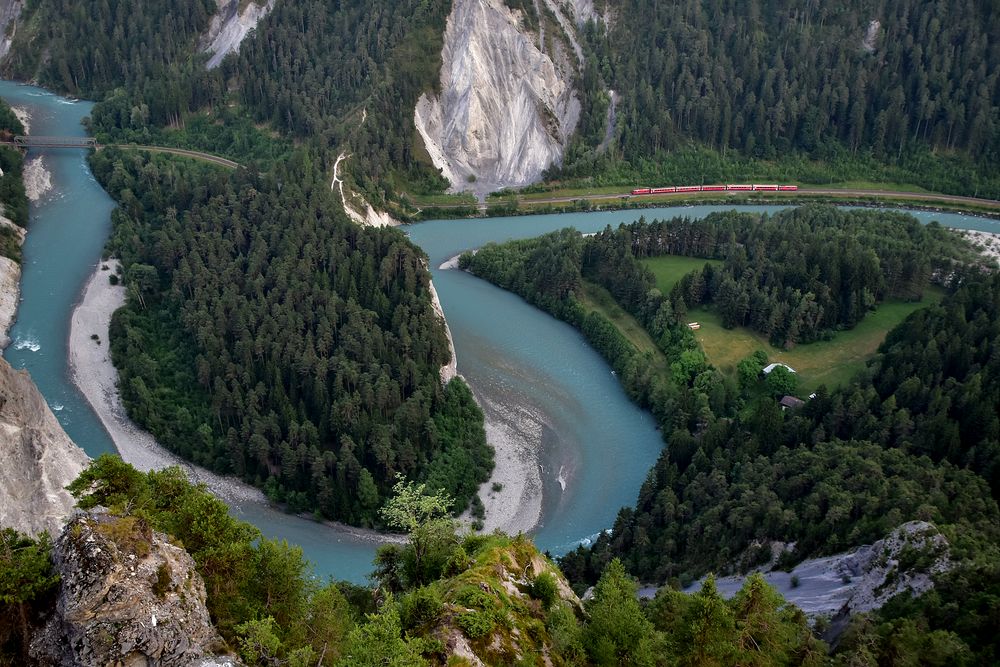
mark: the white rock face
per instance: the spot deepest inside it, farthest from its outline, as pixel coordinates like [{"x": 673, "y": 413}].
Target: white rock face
[
  {"x": 10, "y": 286},
  {"x": 506, "y": 108},
  {"x": 230, "y": 26},
  {"x": 10, "y": 11},
  {"x": 39, "y": 459},
  {"x": 870, "y": 42},
  {"x": 861, "y": 580}
]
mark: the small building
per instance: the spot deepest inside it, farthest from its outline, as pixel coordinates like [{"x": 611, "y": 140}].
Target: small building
[
  {"x": 694, "y": 326},
  {"x": 770, "y": 367},
  {"x": 791, "y": 403}
]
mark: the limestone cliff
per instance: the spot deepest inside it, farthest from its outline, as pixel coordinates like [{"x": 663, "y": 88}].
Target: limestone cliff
[
  {"x": 127, "y": 597},
  {"x": 230, "y": 26},
  {"x": 39, "y": 459},
  {"x": 10, "y": 11},
  {"x": 10, "y": 285},
  {"x": 506, "y": 106}
]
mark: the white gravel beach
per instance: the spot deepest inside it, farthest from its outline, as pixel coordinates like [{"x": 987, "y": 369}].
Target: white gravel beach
[
  {"x": 37, "y": 179},
  {"x": 516, "y": 437},
  {"x": 93, "y": 373}
]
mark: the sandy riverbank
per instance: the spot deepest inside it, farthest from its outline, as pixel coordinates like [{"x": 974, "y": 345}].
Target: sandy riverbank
[
  {"x": 96, "y": 377},
  {"x": 987, "y": 242},
  {"x": 515, "y": 434},
  {"x": 93, "y": 373},
  {"x": 450, "y": 369}
]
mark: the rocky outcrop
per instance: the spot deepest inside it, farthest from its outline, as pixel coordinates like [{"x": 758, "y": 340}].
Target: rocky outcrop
[
  {"x": 128, "y": 597},
  {"x": 507, "y": 107},
  {"x": 10, "y": 285},
  {"x": 10, "y": 11},
  {"x": 230, "y": 26},
  {"x": 905, "y": 561},
  {"x": 39, "y": 459},
  {"x": 499, "y": 584}
]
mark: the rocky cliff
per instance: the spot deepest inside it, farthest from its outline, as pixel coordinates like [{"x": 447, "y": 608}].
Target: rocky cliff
[
  {"x": 864, "y": 579},
  {"x": 127, "y": 597},
  {"x": 10, "y": 285},
  {"x": 39, "y": 460},
  {"x": 10, "y": 11},
  {"x": 230, "y": 26},
  {"x": 506, "y": 106}
]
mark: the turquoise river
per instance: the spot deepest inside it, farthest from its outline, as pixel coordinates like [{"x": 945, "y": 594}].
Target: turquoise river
[{"x": 595, "y": 447}]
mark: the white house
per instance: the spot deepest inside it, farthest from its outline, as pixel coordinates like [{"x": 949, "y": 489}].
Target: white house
[{"x": 771, "y": 367}]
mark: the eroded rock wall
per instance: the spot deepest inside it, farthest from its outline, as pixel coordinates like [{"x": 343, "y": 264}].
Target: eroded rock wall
[
  {"x": 506, "y": 108},
  {"x": 39, "y": 459},
  {"x": 10, "y": 12},
  {"x": 230, "y": 26}
]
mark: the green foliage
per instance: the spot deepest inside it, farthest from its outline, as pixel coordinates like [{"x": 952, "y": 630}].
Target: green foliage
[
  {"x": 280, "y": 342},
  {"x": 618, "y": 633},
  {"x": 27, "y": 582},
  {"x": 545, "y": 589},
  {"x": 781, "y": 382},
  {"x": 89, "y": 50},
  {"x": 793, "y": 80},
  {"x": 419, "y": 607},
  {"x": 258, "y": 589},
  {"x": 379, "y": 642},
  {"x": 431, "y": 530}
]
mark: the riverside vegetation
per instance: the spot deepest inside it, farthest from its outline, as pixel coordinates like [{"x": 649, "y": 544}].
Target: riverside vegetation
[
  {"x": 916, "y": 435},
  {"x": 254, "y": 307},
  {"x": 446, "y": 599}
]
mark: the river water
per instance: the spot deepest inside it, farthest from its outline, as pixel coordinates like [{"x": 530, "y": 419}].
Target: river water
[{"x": 597, "y": 447}]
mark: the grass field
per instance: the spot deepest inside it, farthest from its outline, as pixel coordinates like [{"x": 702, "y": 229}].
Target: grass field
[
  {"x": 669, "y": 269},
  {"x": 832, "y": 362},
  {"x": 595, "y": 297}
]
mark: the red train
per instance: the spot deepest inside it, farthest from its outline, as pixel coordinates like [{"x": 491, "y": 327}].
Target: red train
[{"x": 716, "y": 188}]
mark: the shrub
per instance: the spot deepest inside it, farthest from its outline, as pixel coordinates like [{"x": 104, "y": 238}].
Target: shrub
[{"x": 544, "y": 589}]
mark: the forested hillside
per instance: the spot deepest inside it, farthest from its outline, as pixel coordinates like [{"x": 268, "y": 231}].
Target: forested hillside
[
  {"x": 146, "y": 47},
  {"x": 738, "y": 472},
  {"x": 348, "y": 73},
  {"x": 267, "y": 336},
  {"x": 768, "y": 78}
]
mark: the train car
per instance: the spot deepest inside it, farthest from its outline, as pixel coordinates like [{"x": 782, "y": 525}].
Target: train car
[
  {"x": 687, "y": 188},
  {"x": 739, "y": 188},
  {"x": 762, "y": 188},
  {"x": 662, "y": 191},
  {"x": 713, "y": 188},
  {"x": 788, "y": 188},
  {"x": 641, "y": 191}
]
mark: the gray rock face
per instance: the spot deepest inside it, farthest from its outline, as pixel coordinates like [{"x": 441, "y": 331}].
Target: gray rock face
[
  {"x": 860, "y": 580},
  {"x": 128, "y": 597},
  {"x": 10, "y": 11},
  {"x": 506, "y": 107},
  {"x": 39, "y": 459},
  {"x": 230, "y": 26}
]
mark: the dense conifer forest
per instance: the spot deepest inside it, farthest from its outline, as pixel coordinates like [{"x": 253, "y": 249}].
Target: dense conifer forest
[
  {"x": 909, "y": 83},
  {"x": 267, "y": 336}
]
